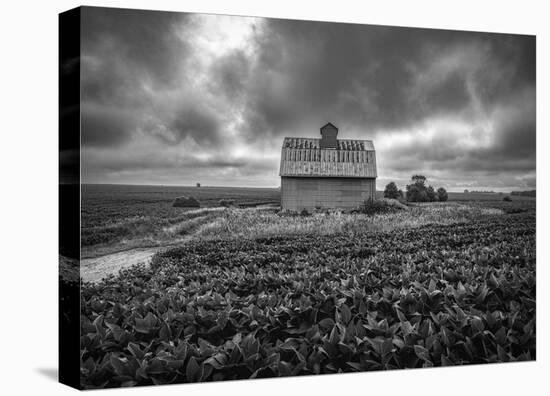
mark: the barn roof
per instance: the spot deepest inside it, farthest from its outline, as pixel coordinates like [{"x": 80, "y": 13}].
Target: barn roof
[
  {"x": 304, "y": 157},
  {"x": 343, "y": 144}
]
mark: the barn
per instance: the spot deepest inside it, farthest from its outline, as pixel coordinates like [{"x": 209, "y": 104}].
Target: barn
[{"x": 326, "y": 172}]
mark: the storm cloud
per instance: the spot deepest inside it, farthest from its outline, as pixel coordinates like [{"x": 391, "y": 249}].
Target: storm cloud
[{"x": 177, "y": 98}]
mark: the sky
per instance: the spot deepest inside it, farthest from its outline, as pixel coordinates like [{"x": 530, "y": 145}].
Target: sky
[{"x": 176, "y": 99}]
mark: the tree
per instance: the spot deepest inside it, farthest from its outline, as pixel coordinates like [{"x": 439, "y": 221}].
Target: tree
[
  {"x": 430, "y": 192},
  {"x": 442, "y": 194},
  {"x": 417, "y": 191},
  {"x": 420, "y": 180},
  {"x": 391, "y": 191}
]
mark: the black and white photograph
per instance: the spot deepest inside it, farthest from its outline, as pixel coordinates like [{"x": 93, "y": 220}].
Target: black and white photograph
[
  {"x": 266, "y": 197},
  {"x": 263, "y": 197}
]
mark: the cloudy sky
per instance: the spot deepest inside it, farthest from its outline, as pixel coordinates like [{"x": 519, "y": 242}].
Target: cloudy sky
[{"x": 172, "y": 98}]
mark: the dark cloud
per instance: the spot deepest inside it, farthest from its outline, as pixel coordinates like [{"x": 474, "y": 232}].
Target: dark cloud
[
  {"x": 127, "y": 56},
  {"x": 106, "y": 126},
  {"x": 230, "y": 74},
  {"x": 374, "y": 77},
  {"x": 454, "y": 104},
  {"x": 141, "y": 161},
  {"x": 146, "y": 41},
  {"x": 197, "y": 123},
  {"x": 516, "y": 126},
  {"x": 450, "y": 94}
]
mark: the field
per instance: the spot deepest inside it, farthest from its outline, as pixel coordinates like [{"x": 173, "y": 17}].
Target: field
[
  {"x": 249, "y": 293},
  {"x": 473, "y": 196},
  {"x": 117, "y": 217}
]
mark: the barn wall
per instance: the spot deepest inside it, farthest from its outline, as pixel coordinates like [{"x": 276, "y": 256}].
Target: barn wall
[{"x": 299, "y": 193}]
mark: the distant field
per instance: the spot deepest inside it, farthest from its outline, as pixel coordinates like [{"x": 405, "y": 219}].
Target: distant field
[
  {"x": 131, "y": 195},
  {"x": 457, "y": 196},
  {"x": 460, "y": 196}
]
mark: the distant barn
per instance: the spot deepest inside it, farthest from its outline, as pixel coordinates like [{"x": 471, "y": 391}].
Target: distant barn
[{"x": 326, "y": 172}]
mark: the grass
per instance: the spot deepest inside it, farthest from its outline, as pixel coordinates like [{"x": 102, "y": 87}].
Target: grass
[
  {"x": 144, "y": 231},
  {"x": 253, "y": 223}
]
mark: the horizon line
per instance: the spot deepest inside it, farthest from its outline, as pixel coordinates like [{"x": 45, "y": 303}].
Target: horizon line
[{"x": 278, "y": 187}]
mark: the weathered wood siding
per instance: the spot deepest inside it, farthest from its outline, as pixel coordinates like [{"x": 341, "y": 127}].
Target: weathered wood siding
[{"x": 299, "y": 193}]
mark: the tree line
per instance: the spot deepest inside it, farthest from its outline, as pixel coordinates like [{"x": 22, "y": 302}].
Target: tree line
[{"x": 416, "y": 191}]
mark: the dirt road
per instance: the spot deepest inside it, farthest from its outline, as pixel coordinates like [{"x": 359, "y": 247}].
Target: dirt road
[{"x": 93, "y": 269}]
